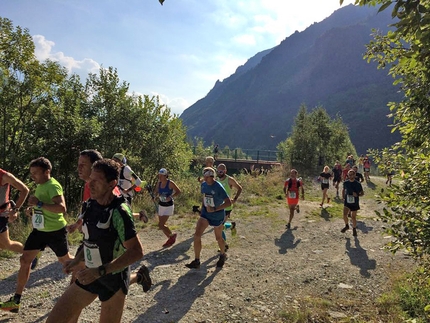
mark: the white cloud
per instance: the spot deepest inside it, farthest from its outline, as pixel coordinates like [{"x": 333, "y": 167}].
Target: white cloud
[
  {"x": 245, "y": 39},
  {"x": 44, "y": 50}
]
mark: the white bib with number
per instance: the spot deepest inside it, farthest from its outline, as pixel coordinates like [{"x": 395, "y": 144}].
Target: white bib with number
[
  {"x": 163, "y": 198},
  {"x": 209, "y": 201},
  {"x": 350, "y": 199},
  {"x": 292, "y": 194},
  {"x": 325, "y": 181},
  {"x": 38, "y": 220},
  {"x": 92, "y": 255}
]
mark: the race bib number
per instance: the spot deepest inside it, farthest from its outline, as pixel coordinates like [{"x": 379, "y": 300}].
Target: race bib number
[
  {"x": 350, "y": 199},
  {"x": 292, "y": 194},
  {"x": 209, "y": 201},
  {"x": 93, "y": 258},
  {"x": 163, "y": 198},
  {"x": 38, "y": 220},
  {"x": 325, "y": 181}
]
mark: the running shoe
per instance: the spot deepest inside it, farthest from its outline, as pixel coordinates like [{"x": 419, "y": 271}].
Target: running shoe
[
  {"x": 328, "y": 200},
  {"x": 225, "y": 248},
  {"x": 288, "y": 226},
  {"x": 221, "y": 260},
  {"x": 143, "y": 278},
  {"x": 36, "y": 260},
  {"x": 298, "y": 209},
  {"x": 195, "y": 264},
  {"x": 170, "y": 241},
  {"x": 10, "y": 306},
  {"x": 143, "y": 217},
  {"x": 345, "y": 228},
  {"x": 354, "y": 232},
  {"x": 321, "y": 205}
]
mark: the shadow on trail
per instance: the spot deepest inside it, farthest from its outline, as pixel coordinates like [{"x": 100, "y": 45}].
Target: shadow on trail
[
  {"x": 175, "y": 301},
  {"x": 52, "y": 272},
  {"x": 363, "y": 227},
  {"x": 358, "y": 257},
  {"x": 325, "y": 214},
  {"x": 371, "y": 185},
  {"x": 286, "y": 241}
]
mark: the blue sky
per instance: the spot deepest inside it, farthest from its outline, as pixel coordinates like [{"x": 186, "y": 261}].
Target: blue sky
[{"x": 177, "y": 51}]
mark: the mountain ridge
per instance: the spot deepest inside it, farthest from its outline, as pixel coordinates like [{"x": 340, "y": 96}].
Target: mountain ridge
[{"x": 322, "y": 65}]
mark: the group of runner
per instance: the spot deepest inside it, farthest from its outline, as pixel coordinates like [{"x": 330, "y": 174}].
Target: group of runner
[
  {"x": 351, "y": 190},
  {"x": 100, "y": 267}
]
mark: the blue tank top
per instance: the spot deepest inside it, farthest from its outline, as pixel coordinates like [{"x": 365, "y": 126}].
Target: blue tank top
[{"x": 164, "y": 192}]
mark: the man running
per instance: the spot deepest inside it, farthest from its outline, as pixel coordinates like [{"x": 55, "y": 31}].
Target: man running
[
  {"x": 215, "y": 200},
  {"x": 8, "y": 212},
  {"x": 351, "y": 192},
  {"x": 111, "y": 245},
  {"x": 291, "y": 191},
  {"x": 128, "y": 180},
  {"x": 49, "y": 226},
  {"x": 228, "y": 183},
  {"x": 337, "y": 177}
]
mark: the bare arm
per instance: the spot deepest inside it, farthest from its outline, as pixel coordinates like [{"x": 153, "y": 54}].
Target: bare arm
[
  {"x": 58, "y": 205},
  {"x": 233, "y": 183},
  {"x": 8, "y": 178}
]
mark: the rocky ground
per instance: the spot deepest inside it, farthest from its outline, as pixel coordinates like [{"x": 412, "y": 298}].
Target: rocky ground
[{"x": 270, "y": 272}]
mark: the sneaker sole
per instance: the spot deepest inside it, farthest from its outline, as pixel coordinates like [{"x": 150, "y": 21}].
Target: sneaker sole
[{"x": 146, "y": 282}]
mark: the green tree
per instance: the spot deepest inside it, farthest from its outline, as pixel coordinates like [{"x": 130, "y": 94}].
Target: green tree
[
  {"x": 316, "y": 140},
  {"x": 405, "y": 51}
]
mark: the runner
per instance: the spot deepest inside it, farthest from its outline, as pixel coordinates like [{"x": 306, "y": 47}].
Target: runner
[
  {"x": 351, "y": 192},
  {"x": 337, "y": 177},
  {"x": 165, "y": 193},
  {"x": 325, "y": 177},
  {"x": 49, "y": 226},
  {"x": 358, "y": 176},
  {"x": 128, "y": 180},
  {"x": 8, "y": 210},
  {"x": 215, "y": 200},
  {"x": 228, "y": 183},
  {"x": 390, "y": 173},
  {"x": 111, "y": 245},
  {"x": 366, "y": 165},
  {"x": 291, "y": 191}
]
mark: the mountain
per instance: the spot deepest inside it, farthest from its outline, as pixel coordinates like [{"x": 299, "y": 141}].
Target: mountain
[{"x": 255, "y": 107}]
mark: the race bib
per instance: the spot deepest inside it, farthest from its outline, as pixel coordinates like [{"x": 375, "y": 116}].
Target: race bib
[
  {"x": 37, "y": 219},
  {"x": 325, "y": 181},
  {"x": 92, "y": 255},
  {"x": 163, "y": 198},
  {"x": 350, "y": 199},
  {"x": 209, "y": 201},
  {"x": 292, "y": 194}
]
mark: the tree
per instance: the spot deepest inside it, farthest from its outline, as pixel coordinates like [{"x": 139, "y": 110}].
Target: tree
[
  {"x": 405, "y": 51},
  {"x": 316, "y": 140}
]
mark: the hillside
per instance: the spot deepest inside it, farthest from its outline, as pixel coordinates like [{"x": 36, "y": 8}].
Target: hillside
[{"x": 323, "y": 65}]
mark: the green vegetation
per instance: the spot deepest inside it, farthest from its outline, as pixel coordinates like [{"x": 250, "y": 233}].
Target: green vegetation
[
  {"x": 316, "y": 140},
  {"x": 46, "y": 112}
]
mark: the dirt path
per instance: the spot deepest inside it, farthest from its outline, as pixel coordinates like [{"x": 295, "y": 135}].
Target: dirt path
[{"x": 269, "y": 271}]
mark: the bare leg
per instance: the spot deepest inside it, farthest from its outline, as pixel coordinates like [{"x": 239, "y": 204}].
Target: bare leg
[
  {"x": 69, "y": 306},
  {"x": 201, "y": 226},
  {"x": 219, "y": 239},
  {"x": 7, "y": 244},
  {"x": 162, "y": 225},
  {"x": 111, "y": 311},
  {"x": 24, "y": 269}
]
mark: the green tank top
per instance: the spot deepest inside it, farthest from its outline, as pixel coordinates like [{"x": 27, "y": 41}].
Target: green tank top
[{"x": 227, "y": 188}]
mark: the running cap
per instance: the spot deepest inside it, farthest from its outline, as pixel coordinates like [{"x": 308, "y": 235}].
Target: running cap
[
  {"x": 120, "y": 157},
  {"x": 163, "y": 171},
  {"x": 209, "y": 172}
]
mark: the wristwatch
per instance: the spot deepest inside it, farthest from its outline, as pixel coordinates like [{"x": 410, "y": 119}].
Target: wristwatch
[{"x": 102, "y": 271}]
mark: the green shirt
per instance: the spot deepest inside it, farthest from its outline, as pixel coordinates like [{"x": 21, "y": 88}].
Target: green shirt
[{"x": 46, "y": 192}]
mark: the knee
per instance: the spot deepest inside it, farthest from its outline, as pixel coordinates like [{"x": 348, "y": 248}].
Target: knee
[{"x": 25, "y": 261}]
